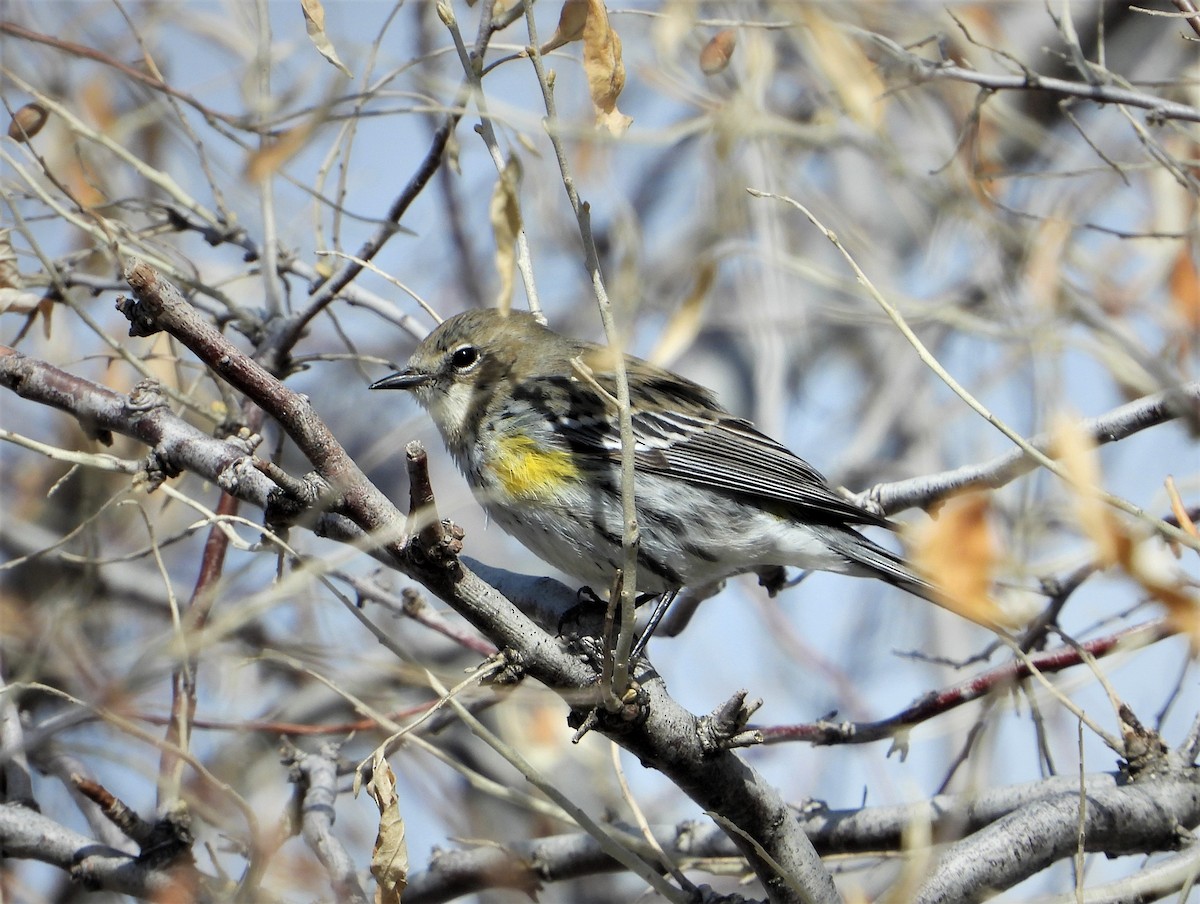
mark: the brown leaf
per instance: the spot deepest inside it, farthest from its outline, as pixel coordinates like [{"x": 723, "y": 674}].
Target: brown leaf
[
  {"x": 1185, "y": 288},
  {"x": 85, "y": 182},
  {"x": 1044, "y": 265},
  {"x": 571, "y": 20},
  {"x": 1077, "y": 453},
  {"x": 959, "y": 551},
  {"x": 27, "y": 122},
  {"x": 10, "y": 273},
  {"x": 684, "y": 326},
  {"x": 848, "y": 69},
  {"x": 1139, "y": 557},
  {"x": 588, "y": 20},
  {"x": 314, "y": 24},
  {"x": 604, "y": 69},
  {"x": 1154, "y": 571},
  {"x": 1179, "y": 510},
  {"x": 505, "y": 214},
  {"x": 715, "y": 55},
  {"x": 96, "y": 99},
  {"x": 389, "y": 858},
  {"x": 267, "y": 160}
]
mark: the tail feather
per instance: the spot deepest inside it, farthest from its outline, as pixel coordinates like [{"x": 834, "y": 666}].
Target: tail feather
[
  {"x": 872, "y": 560},
  {"x": 867, "y": 558}
]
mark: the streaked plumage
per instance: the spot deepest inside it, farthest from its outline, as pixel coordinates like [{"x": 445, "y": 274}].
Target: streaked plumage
[{"x": 540, "y": 447}]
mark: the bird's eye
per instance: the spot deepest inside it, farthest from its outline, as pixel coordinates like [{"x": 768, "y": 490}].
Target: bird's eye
[{"x": 464, "y": 357}]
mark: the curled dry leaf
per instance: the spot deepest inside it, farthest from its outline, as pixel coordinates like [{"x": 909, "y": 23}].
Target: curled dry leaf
[
  {"x": 389, "y": 858},
  {"x": 959, "y": 551},
  {"x": 570, "y": 24},
  {"x": 1185, "y": 288},
  {"x": 505, "y": 214},
  {"x": 10, "y": 274},
  {"x": 1077, "y": 452},
  {"x": 314, "y": 24},
  {"x": 684, "y": 326},
  {"x": 27, "y": 122},
  {"x": 267, "y": 160},
  {"x": 587, "y": 20},
  {"x": 715, "y": 55},
  {"x": 1046, "y": 260},
  {"x": 604, "y": 68},
  {"x": 849, "y": 70},
  {"x": 1143, "y": 558},
  {"x": 1154, "y": 569}
]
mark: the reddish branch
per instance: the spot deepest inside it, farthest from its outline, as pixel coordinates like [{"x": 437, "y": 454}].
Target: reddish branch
[
  {"x": 183, "y": 676},
  {"x": 115, "y": 810},
  {"x": 279, "y": 727},
  {"x": 936, "y": 703}
]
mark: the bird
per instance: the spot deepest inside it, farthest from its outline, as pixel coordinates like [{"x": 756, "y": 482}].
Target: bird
[{"x": 530, "y": 418}]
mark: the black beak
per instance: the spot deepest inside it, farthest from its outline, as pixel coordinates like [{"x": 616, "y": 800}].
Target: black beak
[{"x": 406, "y": 379}]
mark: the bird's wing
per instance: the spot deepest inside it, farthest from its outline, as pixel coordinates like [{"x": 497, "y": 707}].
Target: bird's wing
[
  {"x": 730, "y": 454},
  {"x": 680, "y": 431}
]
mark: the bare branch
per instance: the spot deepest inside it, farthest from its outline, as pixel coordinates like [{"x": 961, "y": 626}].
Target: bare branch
[{"x": 1182, "y": 402}]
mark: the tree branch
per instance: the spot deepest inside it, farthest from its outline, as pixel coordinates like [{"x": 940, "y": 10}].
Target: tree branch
[
  {"x": 935, "y": 703},
  {"x": 27, "y": 834},
  {"x": 1149, "y": 411},
  {"x": 668, "y": 737},
  {"x": 923, "y": 70}
]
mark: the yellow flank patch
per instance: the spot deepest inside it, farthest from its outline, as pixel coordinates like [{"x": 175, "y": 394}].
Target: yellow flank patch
[{"x": 529, "y": 471}]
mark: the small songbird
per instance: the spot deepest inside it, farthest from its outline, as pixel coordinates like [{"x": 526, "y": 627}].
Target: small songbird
[{"x": 531, "y": 419}]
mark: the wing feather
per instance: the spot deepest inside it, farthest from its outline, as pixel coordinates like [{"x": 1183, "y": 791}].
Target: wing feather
[
  {"x": 730, "y": 454},
  {"x": 680, "y": 431}
]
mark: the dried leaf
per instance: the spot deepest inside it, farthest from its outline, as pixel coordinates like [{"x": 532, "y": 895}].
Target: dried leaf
[
  {"x": 389, "y": 858},
  {"x": 604, "y": 69},
  {"x": 571, "y": 20},
  {"x": 18, "y": 301},
  {"x": 85, "y": 183},
  {"x": 324, "y": 266},
  {"x": 1141, "y": 558},
  {"x": 588, "y": 20},
  {"x": 96, "y": 98},
  {"x": 27, "y": 122},
  {"x": 13, "y": 297},
  {"x": 10, "y": 273},
  {"x": 314, "y": 24},
  {"x": 684, "y": 326},
  {"x": 848, "y": 69},
  {"x": 267, "y": 160},
  {"x": 1179, "y": 510},
  {"x": 1077, "y": 453},
  {"x": 1154, "y": 570},
  {"x": 1043, "y": 267},
  {"x": 1185, "y": 288},
  {"x": 505, "y": 214},
  {"x": 673, "y": 27},
  {"x": 715, "y": 55},
  {"x": 960, "y": 551}
]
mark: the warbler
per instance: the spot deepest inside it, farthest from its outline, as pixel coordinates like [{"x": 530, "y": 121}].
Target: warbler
[{"x": 530, "y": 417}]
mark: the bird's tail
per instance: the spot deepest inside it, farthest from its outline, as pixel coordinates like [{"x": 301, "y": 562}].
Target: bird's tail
[{"x": 869, "y": 559}]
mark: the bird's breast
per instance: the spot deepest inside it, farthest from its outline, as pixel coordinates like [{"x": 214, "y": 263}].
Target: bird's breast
[{"x": 529, "y": 471}]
